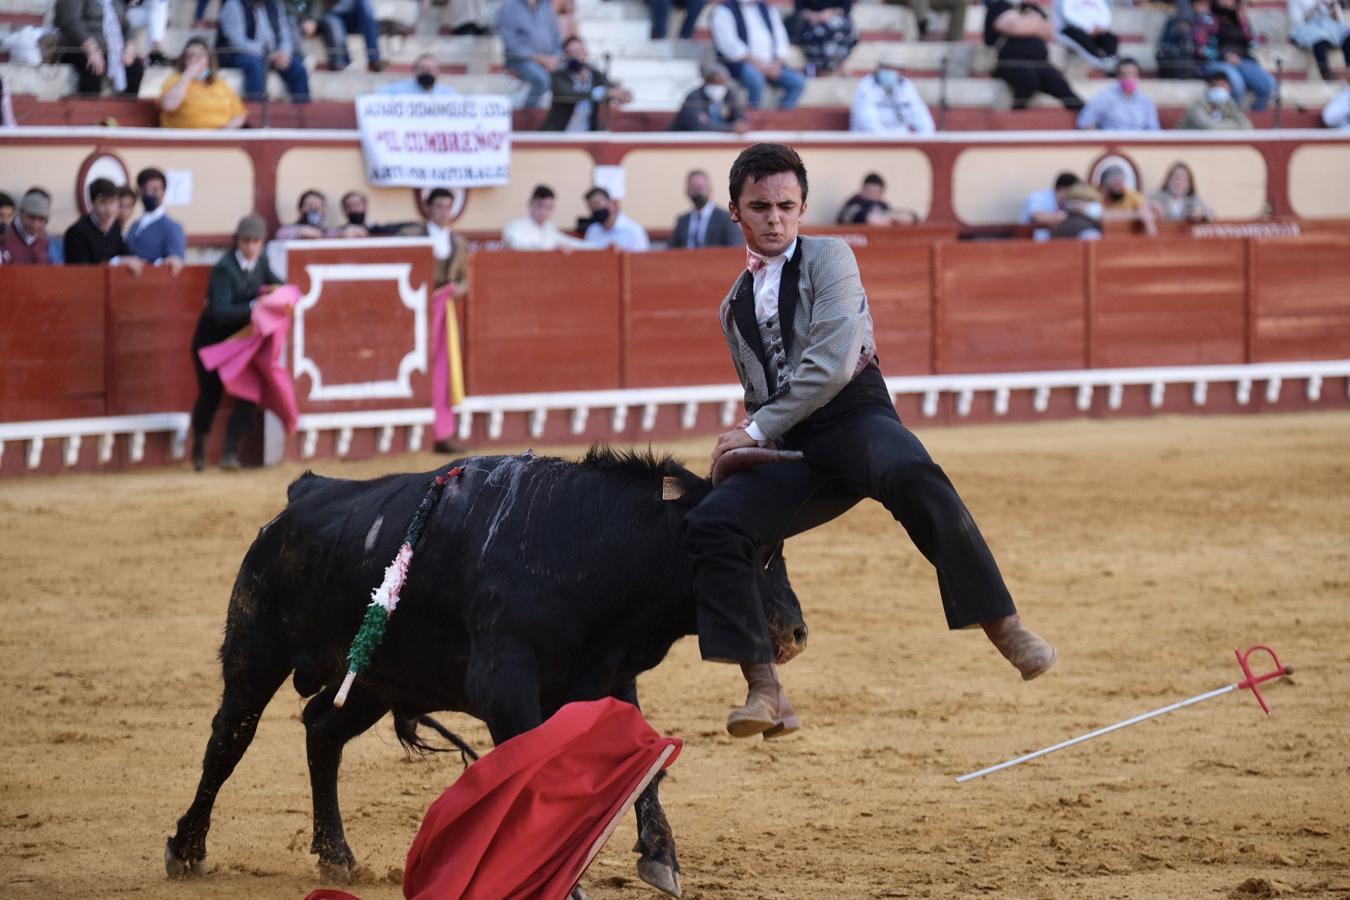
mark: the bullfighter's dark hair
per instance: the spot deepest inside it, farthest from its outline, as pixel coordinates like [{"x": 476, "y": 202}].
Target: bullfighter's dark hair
[
  {"x": 542, "y": 192},
  {"x": 149, "y": 175},
  {"x": 759, "y": 161}
]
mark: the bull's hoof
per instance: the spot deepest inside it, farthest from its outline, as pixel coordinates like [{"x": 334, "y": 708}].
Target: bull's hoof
[
  {"x": 177, "y": 867},
  {"x": 337, "y": 872},
  {"x": 660, "y": 876}
]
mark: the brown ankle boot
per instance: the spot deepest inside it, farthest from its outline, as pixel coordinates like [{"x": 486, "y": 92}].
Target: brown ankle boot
[
  {"x": 1029, "y": 653},
  {"x": 767, "y": 710}
]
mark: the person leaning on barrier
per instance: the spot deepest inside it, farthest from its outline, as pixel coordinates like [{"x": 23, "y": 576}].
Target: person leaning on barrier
[
  {"x": 450, "y": 249},
  {"x": 154, "y": 237},
  {"x": 25, "y": 241},
  {"x": 237, "y": 280},
  {"x": 707, "y": 224},
  {"x": 196, "y": 97},
  {"x": 537, "y": 231},
  {"x": 870, "y": 207},
  {"x": 1083, "y": 214},
  {"x": 1177, "y": 200},
  {"x": 1123, "y": 203},
  {"x": 97, "y": 237},
  {"x": 611, "y": 228},
  {"x": 1045, "y": 207},
  {"x": 7, "y": 211}
]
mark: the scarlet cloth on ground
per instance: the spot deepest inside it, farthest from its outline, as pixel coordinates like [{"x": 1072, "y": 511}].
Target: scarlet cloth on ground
[
  {"x": 250, "y": 364},
  {"x": 527, "y": 819}
]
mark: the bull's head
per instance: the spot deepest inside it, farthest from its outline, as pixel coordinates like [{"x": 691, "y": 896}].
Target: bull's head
[{"x": 781, "y": 608}]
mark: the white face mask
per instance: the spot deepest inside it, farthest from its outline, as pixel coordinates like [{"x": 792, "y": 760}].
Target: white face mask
[
  {"x": 1218, "y": 95},
  {"x": 1093, "y": 211},
  {"x": 716, "y": 92}
]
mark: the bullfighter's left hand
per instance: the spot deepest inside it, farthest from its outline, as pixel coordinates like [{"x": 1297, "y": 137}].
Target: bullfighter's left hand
[{"x": 732, "y": 440}]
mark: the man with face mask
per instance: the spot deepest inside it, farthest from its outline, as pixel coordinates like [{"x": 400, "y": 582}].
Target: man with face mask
[
  {"x": 1217, "y": 110},
  {"x": 97, "y": 237},
  {"x": 1121, "y": 106},
  {"x": 580, "y": 92},
  {"x": 309, "y": 225},
  {"x": 1123, "y": 203},
  {"x": 707, "y": 224},
  {"x": 155, "y": 237},
  {"x": 886, "y": 102},
  {"x": 423, "y": 82},
  {"x": 611, "y": 228},
  {"x": 712, "y": 106}
]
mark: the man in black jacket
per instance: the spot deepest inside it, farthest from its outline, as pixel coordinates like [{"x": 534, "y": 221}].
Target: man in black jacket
[
  {"x": 97, "y": 237},
  {"x": 237, "y": 280},
  {"x": 580, "y": 91}
]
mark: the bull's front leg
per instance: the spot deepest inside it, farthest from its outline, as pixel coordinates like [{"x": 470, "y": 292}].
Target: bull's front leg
[{"x": 658, "y": 863}]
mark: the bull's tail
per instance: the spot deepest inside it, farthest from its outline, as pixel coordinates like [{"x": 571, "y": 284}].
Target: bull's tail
[{"x": 405, "y": 729}]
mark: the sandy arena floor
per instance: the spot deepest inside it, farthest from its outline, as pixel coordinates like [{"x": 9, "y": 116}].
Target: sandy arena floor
[{"x": 1146, "y": 550}]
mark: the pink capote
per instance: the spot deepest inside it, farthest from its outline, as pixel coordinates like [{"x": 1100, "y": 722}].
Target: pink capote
[{"x": 250, "y": 366}]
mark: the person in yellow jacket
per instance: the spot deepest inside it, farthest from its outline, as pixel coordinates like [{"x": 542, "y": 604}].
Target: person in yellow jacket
[{"x": 196, "y": 96}]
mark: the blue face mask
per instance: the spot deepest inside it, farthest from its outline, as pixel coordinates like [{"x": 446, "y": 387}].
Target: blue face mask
[
  {"x": 888, "y": 78},
  {"x": 149, "y": 201}
]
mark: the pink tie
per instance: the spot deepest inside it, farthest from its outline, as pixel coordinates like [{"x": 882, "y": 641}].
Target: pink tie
[{"x": 754, "y": 262}]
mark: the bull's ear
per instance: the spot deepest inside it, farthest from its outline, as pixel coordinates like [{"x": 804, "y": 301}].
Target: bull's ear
[{"x": 671, "y": 488}]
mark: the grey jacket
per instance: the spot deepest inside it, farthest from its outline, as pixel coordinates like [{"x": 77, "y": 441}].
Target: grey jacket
[
  {"x": 829, "y": 342},
  {"x": 80, "y": 20}
]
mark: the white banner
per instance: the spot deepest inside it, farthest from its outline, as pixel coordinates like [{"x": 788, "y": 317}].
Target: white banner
[{"x": 430, "y": 141}]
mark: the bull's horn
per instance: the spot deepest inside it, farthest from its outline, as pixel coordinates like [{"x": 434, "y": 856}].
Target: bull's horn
[{"x": 743, "y": 458}]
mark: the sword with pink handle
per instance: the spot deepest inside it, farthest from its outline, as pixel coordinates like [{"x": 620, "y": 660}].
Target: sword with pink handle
[{"x": 1250, "y": 682}]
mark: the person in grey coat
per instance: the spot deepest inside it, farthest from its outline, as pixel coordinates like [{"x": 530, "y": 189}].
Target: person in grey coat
[
  {"x": 97, "y": 46},
  {"x": 797, "y": 324}
]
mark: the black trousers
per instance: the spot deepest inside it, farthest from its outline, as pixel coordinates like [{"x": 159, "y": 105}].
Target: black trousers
[
  {"x": 210, "y": 389},
  {"x": 854, "y": 447},
  {"x": 1026, "y": 77},
  {"x": 91, "y": 85},
  {"x": 1099, "y": 45}
]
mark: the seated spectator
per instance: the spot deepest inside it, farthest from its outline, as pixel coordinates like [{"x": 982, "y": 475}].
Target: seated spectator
[
  {"x": 532, "y": 43},
  {"x": 611, "y": 228},
  {"x": 1217, "y": 110},
  {"x": 469, "y": 17},
  {"x": 1020, "y": 32},
  {"x": 1123, "y": 203},
  {"x": 312, "y": 208},
  {"x": 25, "y": 241},
  {"x": 923, "y": 12},
  {"x": 707, "y": 224},
  {"x": 1224, "y": 37},
  {"x": 1121, "y": 106},
  {"x": 450, "y": 249},
  {"x": 99, "y": 49},
  {"x": 752, "y": 43},
  {"x": 825, "y": 31},
  {"x": 423, "y": 80},
  {"x": 536, "y": 230},
  {"x": 869, "y": 206},
  {"x": 195, "y": 97},
  {"x": 1084, "y": 26},
  {"x": 258, "y": 36},
  {"x": 126, "y": 206},
  {"x": 713, "y": 105},
  {"x": 1083, "y": 215},
  {"x": 1318, "y": 25},
  {"x": 97, "y": 237},
  {"x": 1176, "y": 48},
  {"x": 1336, "y": 114},
  {"x": 580, "y": 92},
  {"x": 152, "y": 17},
  {"x": 6, "y": 211},
  {"x": 1046, "y": 207},
  {"x": 1176, "y": 200},
  {"x": 156, "y": 238},
  {"x": 886, "y": 102},
  {"x": 661, "y": 17},
  {"x": 342, "y": 16},
  {"x": 354, "y": 205}
]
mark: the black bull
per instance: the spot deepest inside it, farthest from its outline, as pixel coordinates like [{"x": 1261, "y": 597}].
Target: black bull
[{"x": 537, "y": 582}]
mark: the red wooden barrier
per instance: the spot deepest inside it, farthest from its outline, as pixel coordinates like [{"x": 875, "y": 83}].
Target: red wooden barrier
[
  {"x": 51, "y": 342},
  {"x": 151, "y": 319},
  {"x": 899, "y": 283},
  {"x": 671, "y": 335},
  {"x": 1301, "y": 298}
]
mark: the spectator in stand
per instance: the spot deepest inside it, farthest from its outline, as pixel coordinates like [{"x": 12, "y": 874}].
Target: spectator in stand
[
  {"x": 7, "y": 211},
  {"x": 661, "y": 17},
  {"x": 1224, "y": 37},
  {"x": 886, "y": 102},
  {"x": 707, "y": 224},
  {"x": 923, "y": 11},
  {"x": 1122, "y": 202},
  {"x": 580, "y": 92},
  {"x": 450, "y": 249},
  {"x": 1121, "y": 106},
  {"x": 1176, "y": 200},
  {"x": 611, "y": 228},
  {"x": 869, "y": 206},
  {"x": 1045, "y": 207},
  {"x": 1336, "y": 114},
  {"x": 152, "y": 17},
  {"x": 94, "y": 38},
  {"x": 342, "y": 16},
  {"x": 313, "y": 210},
  {"x": 1084, "y": 26},
  {"x": 825, "y": 31},
  {"x": 195, "y": 97},
  {"x": 1083, "y": 215},
  {"x": 469, "y": 17},
  {"x": 1020, "y": 32},
  {"x": 126, "y": 207},
  {"x": 237, "y": 280},
  {"x": 423, "y": 81},
  {"x": 25, "y": 241},
  {"x": 536, "y": 231},
  {"x": 97, "y": 237},
  {"x": 258, "y": 36},
  {"x": 156, "y": 238},
  {"x": 1176, "y": 47},
  {"x": 713, "y": 105},
  {"x": 532, "y": 43},
  {"x": 1318, "y": 25},
  {"x": 354, "y": 207},
  {"x": 1217, "y": 110},
  {"x": 752, "y": 42}
]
